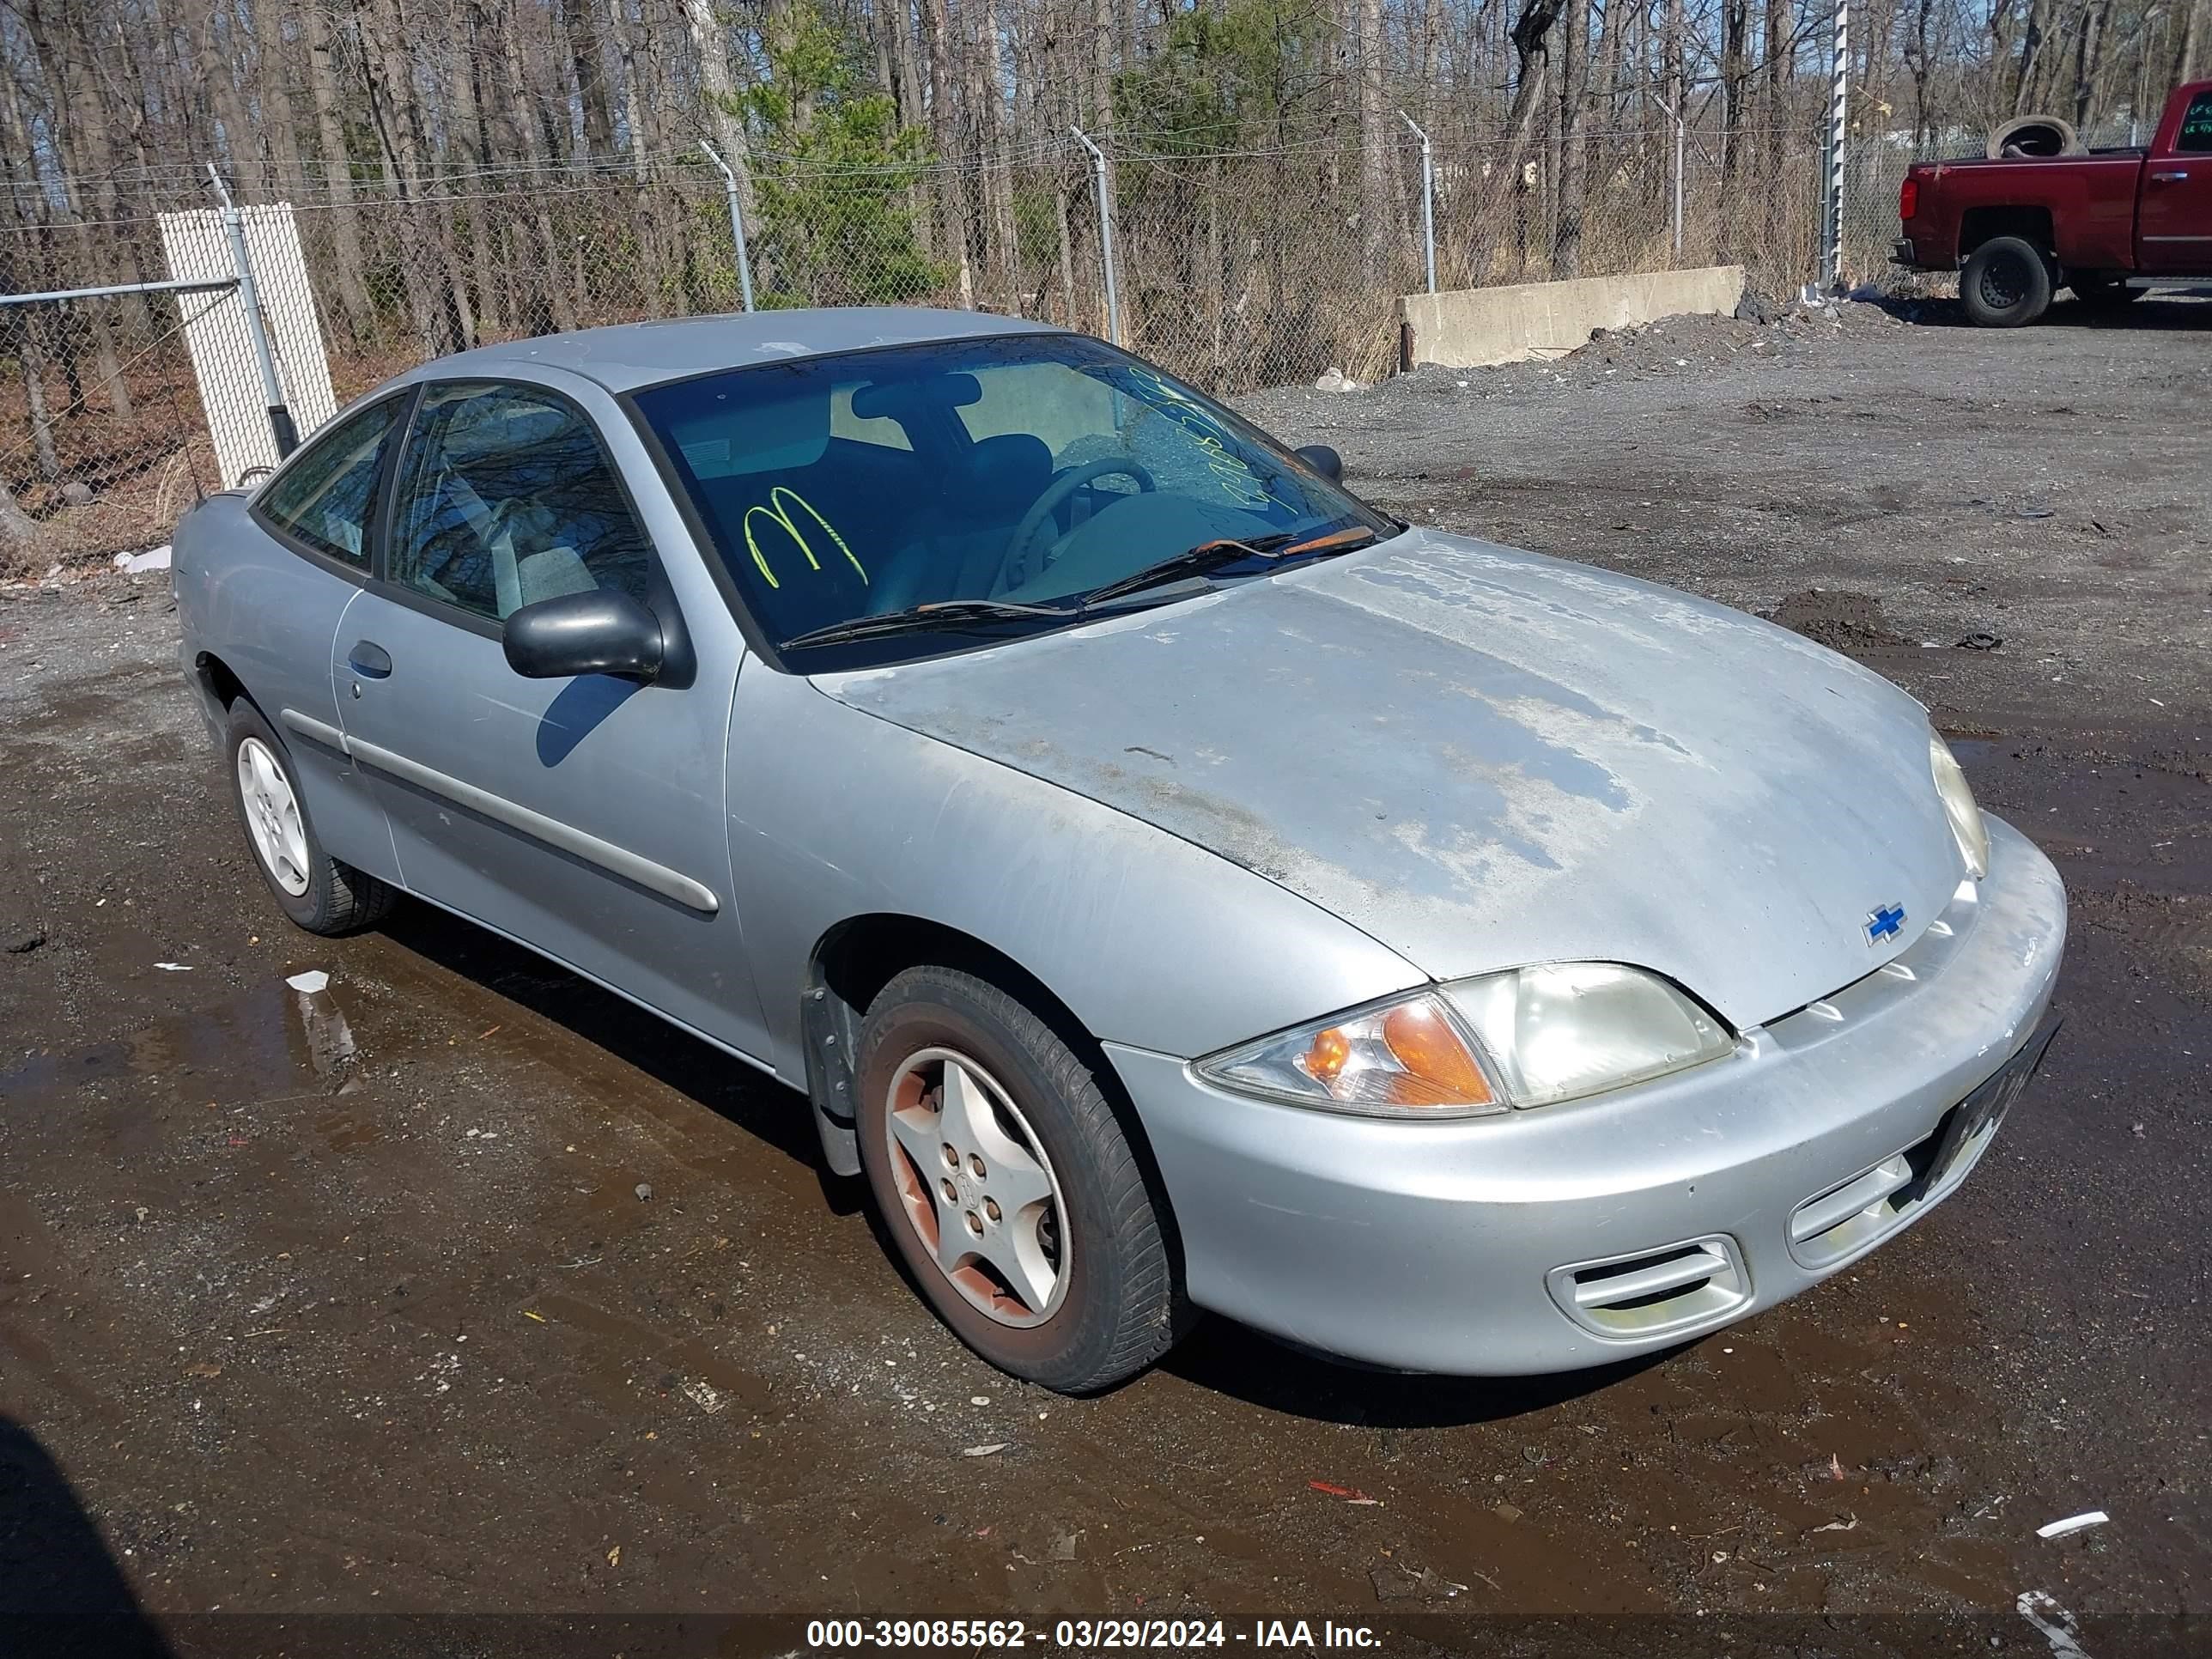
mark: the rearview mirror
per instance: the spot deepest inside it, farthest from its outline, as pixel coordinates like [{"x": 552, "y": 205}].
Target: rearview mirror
[
  {"x": 597, "y": 632},
  {"x": 1324, "y": 460}
]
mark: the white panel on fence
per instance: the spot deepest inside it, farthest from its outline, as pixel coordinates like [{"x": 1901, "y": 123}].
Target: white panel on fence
[{"x": 222, "y": 353}]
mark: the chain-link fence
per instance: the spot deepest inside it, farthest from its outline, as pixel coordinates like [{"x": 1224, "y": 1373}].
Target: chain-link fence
[
  {"x": 1235, "y": 270},
  {"x": 104, "y": 437}
]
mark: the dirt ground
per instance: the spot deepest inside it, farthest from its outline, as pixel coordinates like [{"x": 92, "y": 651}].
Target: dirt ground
[{"x": 287, "y": 1333}]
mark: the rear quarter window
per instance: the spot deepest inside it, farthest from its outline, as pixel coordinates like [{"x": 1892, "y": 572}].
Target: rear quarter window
[{"x": 327, "y": 497}]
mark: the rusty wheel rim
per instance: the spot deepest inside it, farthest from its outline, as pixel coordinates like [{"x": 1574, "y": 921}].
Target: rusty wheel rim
[{"x": 976, "y": 1189}]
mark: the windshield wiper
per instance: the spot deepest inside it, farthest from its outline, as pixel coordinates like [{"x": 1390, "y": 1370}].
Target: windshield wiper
[
  {"x": 1226, "y": 551},
  {"x": 943, "y": 613},
  {"x": 1336, "y": 541},
  {"x": 1191, "y": 561}
]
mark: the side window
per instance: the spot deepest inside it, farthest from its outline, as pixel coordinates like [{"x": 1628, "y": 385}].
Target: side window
[
  {"x": 2196, "y": 138},
  {"x": 505, "y": 498},
  {"x": 325, "y": 497}
]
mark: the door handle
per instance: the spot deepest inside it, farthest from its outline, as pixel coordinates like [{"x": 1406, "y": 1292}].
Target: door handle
[
  {"x": 2168, "y": 178},
  {"x": 370, "y": 660}
]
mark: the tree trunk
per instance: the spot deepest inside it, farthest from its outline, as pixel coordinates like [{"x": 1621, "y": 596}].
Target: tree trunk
[
  {"x": 20, "y": 535},
  {"x": 219, "y": 79},
  {"x": 61, "y": 47},
  {"x": 712, "y": 42},
  {"x": 440, "y": 321},
  {"x": 1532, "y": 49},
  {"x": 2088, "y": 60},
  {"x": 2027, "y": 80},
  {"x": 1574, "y": 142},
  {"x": 1067, "y": 254},
  {"x": 553, "y": 310},
  {"x": 991, "y": 154},
  {"x": 34, "y": 400},
  {"x": 1102, "y": 67},
  {"x": 1736, "y": 32},
  {"x": 945, "y": 128},
  {"x": 273, "y": 80},
  {"x": 896, "y": 19},
  {"x": 587, "y": 62},
  {"x": 337, "y": 176},
  {"x": 1779, "y": 46},
  {"x": 1375, "y": 226},
  {"x": 2195, "y": 31},
  {"x": 104, "y": 360}
]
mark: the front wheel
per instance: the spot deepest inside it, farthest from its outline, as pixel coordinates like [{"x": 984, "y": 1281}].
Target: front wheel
[
  {"x": 1009, "y": 1186},
  {"x": 2006, "y": 281}
]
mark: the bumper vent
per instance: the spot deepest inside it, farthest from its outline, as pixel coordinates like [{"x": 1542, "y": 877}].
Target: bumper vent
[
  {"x": 1698, "y": 1282},
  {"x": 1849, "y": 1219},
  {"x": 1829, "y": 1228}
]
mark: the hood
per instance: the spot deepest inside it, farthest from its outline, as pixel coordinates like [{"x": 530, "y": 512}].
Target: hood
[{"x": 1483, "y": 758}]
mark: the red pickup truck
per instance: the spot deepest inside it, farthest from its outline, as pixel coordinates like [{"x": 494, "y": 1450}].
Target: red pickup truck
[{"x": 2018, "y": 228}]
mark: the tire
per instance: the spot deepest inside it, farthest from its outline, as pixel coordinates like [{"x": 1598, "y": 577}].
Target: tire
[
  {"x": 2006, "y": 281},
  {"x": 2102, "y": 293},
  {"x": 1071, "y": 1284},
  {"x": 317, "y": 891}
]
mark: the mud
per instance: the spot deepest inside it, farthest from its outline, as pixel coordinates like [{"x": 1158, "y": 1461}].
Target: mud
[{"x": 287, "y": 1331}]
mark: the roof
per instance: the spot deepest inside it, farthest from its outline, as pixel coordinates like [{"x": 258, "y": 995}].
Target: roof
[{"x": 632, "y": 355}]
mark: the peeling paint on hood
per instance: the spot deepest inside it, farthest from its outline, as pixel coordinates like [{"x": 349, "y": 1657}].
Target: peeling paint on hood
[{"x": 1484, "y": 758}]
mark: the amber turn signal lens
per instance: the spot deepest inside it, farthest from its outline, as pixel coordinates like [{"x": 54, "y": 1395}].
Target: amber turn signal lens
[
  {"x": 1325, "y": 1060},
  {"x": 1434, "y": 1055}
]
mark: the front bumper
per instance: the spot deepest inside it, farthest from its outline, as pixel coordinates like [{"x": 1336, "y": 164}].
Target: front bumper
[{"x": 1579, "y": 1234}]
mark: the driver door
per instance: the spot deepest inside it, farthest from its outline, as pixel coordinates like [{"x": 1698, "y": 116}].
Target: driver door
[
  {"x": 584, "y": 817},
  {"x": 2175, "y": 221}
]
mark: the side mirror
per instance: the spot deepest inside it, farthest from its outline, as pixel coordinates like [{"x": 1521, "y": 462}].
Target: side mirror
[
  {"x": 1324, "y": 460},
  {"x": 601, "y": 631}
]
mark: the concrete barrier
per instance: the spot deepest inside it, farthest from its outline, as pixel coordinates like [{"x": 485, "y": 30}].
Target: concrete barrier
[{"x": 1474, "y": 326}]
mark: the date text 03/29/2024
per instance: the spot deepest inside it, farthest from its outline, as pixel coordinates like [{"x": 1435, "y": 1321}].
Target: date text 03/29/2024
[{"x": 1086, "y": 1635}]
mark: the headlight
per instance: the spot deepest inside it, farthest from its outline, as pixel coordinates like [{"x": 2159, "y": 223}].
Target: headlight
[
  {"x": 1527, "y": 1037},
  {"x": 1967, "y": 826}
]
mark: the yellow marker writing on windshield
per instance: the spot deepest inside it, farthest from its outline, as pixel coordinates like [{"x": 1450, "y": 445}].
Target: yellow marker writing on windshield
[{"x": 778, "y": 512}]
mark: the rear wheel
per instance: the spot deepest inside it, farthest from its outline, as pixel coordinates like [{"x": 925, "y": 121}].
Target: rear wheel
[
  {"x": 2006, "y": 281},
  {"x": 318, "y": 892},
  {"x": 1008, "y": 1186}
]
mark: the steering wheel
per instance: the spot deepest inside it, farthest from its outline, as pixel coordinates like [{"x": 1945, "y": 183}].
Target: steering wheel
[{"x": 1014, "y": 570}]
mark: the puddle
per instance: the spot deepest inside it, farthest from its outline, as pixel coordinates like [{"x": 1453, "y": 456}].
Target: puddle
[{"x": 251, "y": 1043}]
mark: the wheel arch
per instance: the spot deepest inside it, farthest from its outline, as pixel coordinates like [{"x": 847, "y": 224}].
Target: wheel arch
[
  {"x": 850, "y": 964},
  {"x": 2031, "y": 224},
  {"x": 848, "y": 967},
  {"x": 218, "y": 683}
]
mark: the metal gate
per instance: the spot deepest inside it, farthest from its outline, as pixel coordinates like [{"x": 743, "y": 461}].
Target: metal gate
[{"x": 129, "y": 400}]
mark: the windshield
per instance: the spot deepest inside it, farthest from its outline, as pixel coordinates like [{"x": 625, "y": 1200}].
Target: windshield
[{"x": 1031, "y": 469}]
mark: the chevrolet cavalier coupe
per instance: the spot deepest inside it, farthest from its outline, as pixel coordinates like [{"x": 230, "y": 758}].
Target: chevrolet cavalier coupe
[{"x": 1173, "y": 884}]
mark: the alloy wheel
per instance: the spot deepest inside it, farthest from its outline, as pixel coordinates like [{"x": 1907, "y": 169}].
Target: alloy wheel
[
  {"x": 272, "y": 816},
  {"x": 974, "y": 1185}
]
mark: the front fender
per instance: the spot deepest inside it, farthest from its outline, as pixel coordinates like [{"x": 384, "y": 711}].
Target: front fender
[{"x": 1148, "y": 939}]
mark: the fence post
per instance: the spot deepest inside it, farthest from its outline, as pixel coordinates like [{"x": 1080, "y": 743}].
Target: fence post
[
  {"x": 1105, "y": 233},
  {"x": 737, "y": 223},
  {"x": 1679, "y": 135},
  {"x": 1428, "y": 201},
  {"x": 286, "y": 434},
  {"x": 1682, "y": 144},
  {"x": 1831, "y": 208}
]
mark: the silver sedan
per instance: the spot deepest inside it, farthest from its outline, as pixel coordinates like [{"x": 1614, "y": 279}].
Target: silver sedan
[{"x": 1173, "y": 884}]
